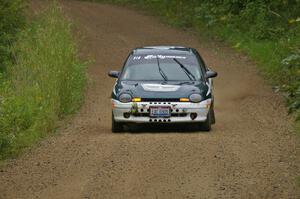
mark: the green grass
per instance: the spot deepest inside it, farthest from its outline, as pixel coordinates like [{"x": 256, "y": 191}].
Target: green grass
[
  {"x": 44, "y": 84},
  {"x": 267, "y": 53},
  {"x": 11, "y": 22}
]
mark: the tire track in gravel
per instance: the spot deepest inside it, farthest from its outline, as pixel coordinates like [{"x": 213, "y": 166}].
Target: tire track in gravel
[{"x": 251, "y": 152}]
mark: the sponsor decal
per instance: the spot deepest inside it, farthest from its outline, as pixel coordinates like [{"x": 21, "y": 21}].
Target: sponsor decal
[
  {"x": 164, "y": 57},
  {"x": 147, "y": 57},
  {"x": 136, "y": 57}
]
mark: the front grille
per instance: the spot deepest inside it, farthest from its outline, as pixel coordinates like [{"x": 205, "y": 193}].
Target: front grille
[
  {"x": 141, "y": 114},
  {"x": 179, "y": 114},
  {"x": 160, "y": 100}
]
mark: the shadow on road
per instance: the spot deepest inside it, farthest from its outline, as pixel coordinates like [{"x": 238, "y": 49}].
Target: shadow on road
[{"x": 163, "y": 128}]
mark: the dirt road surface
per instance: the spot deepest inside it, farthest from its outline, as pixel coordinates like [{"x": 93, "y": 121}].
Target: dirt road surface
[{"x": 252, "y": 151}]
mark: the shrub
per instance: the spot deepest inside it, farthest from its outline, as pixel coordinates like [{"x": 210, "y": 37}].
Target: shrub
[
  {"x": 291, "y": 85},
  {"x": 45, "y": 83}
]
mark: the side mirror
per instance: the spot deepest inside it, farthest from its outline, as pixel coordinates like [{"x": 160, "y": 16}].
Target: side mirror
[
  {"x": 114, "y": 74},
  {"x": 211, "y": 74}
]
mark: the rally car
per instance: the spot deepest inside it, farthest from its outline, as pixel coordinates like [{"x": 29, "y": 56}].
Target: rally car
[{"x": 163, "y": 84}]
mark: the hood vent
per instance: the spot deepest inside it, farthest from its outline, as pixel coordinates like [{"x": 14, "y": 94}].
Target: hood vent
[{"x": 160, "y": 87}]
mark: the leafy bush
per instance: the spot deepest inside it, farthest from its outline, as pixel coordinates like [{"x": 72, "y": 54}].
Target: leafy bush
[
  {"x": 45, "y": 83},
  {"x": 291, "y": 67}
]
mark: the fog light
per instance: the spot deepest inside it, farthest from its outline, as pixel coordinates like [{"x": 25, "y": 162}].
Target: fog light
[
  {"x": 136, "y": 99},
  {"x": 184, "y": 99},
  {"x": 126, "y": 115},
  {"x": 193, "y": 116}
]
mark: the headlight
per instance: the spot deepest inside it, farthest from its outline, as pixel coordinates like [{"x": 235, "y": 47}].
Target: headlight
[
  {"x": 125, "y": 98},
  {"x": 195, "y": 98}
]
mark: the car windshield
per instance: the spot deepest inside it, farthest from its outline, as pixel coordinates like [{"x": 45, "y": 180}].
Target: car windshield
[{"x": 162, "y": 68}]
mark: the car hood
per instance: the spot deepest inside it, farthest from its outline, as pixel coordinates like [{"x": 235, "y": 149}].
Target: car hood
[{"x": 161, "y": 89}]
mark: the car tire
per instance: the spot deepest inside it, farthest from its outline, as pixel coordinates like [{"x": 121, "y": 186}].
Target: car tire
[
  {"x": 116, "y": 127},
  {"x": 206, "y": 126},
  {"x": 213, "y": 117}
]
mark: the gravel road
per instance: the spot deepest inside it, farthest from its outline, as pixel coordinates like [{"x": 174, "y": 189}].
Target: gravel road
[{"x": 252, "y": 151}]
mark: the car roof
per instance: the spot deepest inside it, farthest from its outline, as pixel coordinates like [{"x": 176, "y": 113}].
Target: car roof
[{"x": 163, "y": 50}]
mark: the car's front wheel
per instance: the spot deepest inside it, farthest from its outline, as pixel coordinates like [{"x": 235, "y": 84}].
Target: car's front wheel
[
  {"x": 206, "y": 126},
  {"x": 116, "y": 127}
]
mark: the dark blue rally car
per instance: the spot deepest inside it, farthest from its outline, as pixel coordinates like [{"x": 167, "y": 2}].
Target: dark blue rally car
[{"x": 163, "y": 84}]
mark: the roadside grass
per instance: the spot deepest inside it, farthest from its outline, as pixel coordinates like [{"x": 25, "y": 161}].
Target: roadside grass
[
  {"x": 272, "y": 59},
  {"x": 11, "y": 22},
  {"x": 44, "y": 84}
]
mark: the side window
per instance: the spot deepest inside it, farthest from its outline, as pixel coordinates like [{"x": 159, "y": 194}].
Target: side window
[{"x": 201, "y": 62}]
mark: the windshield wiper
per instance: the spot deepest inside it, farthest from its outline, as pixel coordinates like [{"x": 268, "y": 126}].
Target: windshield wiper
[
  {"x": 162, "y": 73},
  {"x": 186, "y": 71}
]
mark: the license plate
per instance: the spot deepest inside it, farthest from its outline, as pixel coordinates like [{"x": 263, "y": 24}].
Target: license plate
[{"x": 160, "y": 111}]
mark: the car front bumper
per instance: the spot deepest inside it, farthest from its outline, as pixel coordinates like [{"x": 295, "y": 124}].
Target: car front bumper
[{"x": 138, "y": 112}]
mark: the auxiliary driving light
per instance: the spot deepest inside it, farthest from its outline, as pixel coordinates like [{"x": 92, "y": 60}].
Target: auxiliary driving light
[
  {"x": 193, "y": 115},
  {"x": 136, "y": 99}
]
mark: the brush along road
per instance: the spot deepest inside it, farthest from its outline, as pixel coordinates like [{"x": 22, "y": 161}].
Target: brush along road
[{"x": 251, "y": 151}]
